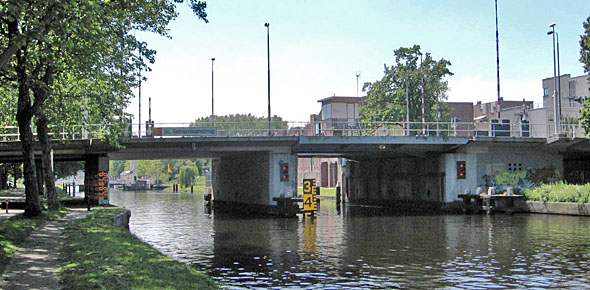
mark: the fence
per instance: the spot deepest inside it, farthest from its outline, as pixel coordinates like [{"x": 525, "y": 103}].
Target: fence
[{"x": 321, "y": 128}]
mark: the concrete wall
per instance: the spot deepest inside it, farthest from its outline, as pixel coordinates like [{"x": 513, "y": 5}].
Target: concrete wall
[
  {"x": 241, "y": 178},
  {"x": 391, "y": 180},
  {"x": 499, "y": 165},
  {"x": 453, "y": 186},
  {"x": 253, "y": 178},
  {"x": 277, "y": 187}
]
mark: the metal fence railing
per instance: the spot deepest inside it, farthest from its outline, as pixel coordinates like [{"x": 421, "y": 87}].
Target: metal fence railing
[
  {"x": 320, "y": 128},
  {"x": 78, "y": 132}
]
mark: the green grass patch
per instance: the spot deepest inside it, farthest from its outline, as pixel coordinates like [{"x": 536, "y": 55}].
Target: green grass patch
[
  {"x": 97, "y": 254},
  {"x": 560, "y": 192},
  {"x": 327, "y": 191},
  {"x": 199, "y": 186},
  {"x": 15, "y": 230}
]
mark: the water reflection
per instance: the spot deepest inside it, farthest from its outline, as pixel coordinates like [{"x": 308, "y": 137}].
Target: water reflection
[{"x": 365, "y": 248}]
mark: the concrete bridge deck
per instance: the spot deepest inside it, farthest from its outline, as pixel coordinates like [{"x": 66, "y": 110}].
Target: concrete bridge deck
[
  {"x": 386, "y": 169},
  {"x": 304, "y": 146}
]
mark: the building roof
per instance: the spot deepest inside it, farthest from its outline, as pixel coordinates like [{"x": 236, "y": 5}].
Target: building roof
[{"x": 338, "y": 99}]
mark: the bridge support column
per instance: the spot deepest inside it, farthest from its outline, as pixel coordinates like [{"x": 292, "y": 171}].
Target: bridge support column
[
  {"x": 251, "y": 181},
  {"x": 407, "y": 183},
  {"x": 96, "y": 179}
]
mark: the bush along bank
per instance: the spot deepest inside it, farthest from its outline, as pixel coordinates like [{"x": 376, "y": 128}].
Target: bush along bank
[
  {"x": 560, "y": 192},
  {"x": 16, "y": 229},
  {"x": 97, "y": 254}
]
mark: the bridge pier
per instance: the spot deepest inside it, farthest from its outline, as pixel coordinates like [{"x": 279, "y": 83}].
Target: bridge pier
[
  {"x": 96, "y": 178},
  {"x": 499, "y": 165},
  {"x": 248, "y": 182}
]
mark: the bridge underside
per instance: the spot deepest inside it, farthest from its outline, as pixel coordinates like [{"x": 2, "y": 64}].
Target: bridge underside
[{"x": 380, "y": 170}]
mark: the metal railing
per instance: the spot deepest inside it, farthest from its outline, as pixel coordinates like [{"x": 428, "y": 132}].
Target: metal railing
[
  {"x": 321, "y": 128},
  {"x": 77, "y": 132}
]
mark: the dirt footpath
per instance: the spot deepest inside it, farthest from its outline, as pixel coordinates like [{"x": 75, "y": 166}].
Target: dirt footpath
[{"x": 34, "y": 266}]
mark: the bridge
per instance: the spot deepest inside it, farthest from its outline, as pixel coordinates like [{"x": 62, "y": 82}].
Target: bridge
[{"x": 386, "y": 163}]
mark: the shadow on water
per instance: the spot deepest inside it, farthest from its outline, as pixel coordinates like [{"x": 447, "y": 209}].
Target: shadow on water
[{"x": 365, "y": 247}]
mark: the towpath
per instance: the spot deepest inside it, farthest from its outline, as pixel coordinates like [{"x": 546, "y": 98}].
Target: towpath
[{"x": 34, "y": 265}]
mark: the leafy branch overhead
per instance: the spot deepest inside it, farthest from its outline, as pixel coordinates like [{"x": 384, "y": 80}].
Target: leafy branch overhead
[{"x": 74, "y": 62}]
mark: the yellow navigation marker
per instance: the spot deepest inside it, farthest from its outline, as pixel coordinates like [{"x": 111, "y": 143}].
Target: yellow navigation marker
[{"x": 310, "y": 205}]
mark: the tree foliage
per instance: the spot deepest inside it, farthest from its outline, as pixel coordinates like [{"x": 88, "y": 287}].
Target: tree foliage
[
  {"x": 80, "y": 57},
  {"x": 585, "y": 60},
  {"x": 386, "y": 98},
  {"x": 187, "y": 175},
  {"x": 585, "y": 46},
  {"x": 237, "y": 124}
]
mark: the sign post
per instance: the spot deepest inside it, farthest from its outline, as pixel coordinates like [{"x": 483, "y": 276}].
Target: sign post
[{"x": 310, "y": 206}]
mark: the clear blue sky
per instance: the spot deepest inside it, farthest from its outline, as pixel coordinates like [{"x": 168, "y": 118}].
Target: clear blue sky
[{"x": 316, "y": 47}]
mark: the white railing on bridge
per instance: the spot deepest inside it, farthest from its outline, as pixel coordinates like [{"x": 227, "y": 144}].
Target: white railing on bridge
[
  {"x": 322, "y": 128},
  {"x": 78, "y": 132}
]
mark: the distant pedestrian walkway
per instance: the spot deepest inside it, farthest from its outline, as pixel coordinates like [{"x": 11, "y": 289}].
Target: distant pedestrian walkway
[
  {"x": 11, "y": 212},
  {"x": 34, "y": 266}
]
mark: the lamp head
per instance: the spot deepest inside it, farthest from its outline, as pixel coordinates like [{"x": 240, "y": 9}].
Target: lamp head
[
  {"x": 266, "y": 24},
  {"x": 212, "y": 59},
  {"x": 552, "y": 24},
  {"x": 549, "y": 32}
]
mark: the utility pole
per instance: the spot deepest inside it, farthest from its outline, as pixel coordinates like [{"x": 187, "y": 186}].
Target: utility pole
[
  {"x": 212, "y": 98},
  {"x": 498, "y": 60},
  {"x": 422, "y": 93},
  {"x": 407, "y": 106},
  {"x": 139, "y": 125},
  {"x": 267, "y": 25}
]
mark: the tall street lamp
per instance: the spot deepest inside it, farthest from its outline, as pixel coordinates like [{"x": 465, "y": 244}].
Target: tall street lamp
[
  {"x": 267, "y": 25},
  {"x": 141, "y": 45},
  {"x": 212, "y": 98},
  {"x": 556, "y": 96}
]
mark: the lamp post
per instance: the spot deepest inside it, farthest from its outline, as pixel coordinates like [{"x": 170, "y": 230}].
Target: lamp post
[
  {"x": 498, "y": 62},
  {"x": 558, "y": 75},
  {"x": 267, "y": 25},
  {"x": 555, "y": 94},
  {"x": 212, "y": 98},
  {"x": 141, "y": 45}
]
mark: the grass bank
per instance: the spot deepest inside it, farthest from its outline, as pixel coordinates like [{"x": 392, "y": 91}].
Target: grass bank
[
  {"x": 97, "y": 254},
  {"x": 15, "y": 230},
  {"x": 560, "y": 192}
]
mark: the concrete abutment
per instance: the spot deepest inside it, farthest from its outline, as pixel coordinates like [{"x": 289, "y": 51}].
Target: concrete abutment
[{"x": 251, "y": 182}]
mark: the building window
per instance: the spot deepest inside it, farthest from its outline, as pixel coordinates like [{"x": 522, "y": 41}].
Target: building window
[
  {"x": 545, "y": 92},
  {"x": 572, "y": 88}
]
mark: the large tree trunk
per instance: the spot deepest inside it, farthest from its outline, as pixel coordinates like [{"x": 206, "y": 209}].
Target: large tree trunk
[
  {"x": 24, "y": 116},
  {"x": 48, "y": 176}
]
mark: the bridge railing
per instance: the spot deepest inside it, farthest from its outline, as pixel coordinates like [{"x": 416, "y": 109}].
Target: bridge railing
[
  {"x": 320, "y": 128},
  {"x": 77, "y": 132},
  {"x": 353, "y": 127}
]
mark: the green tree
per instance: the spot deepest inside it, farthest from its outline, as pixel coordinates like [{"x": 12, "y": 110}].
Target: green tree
[
  {"x": 66, "y": 169},
  {"x": 585, "y": 46},
  {"x": 242, "y": 124},
  {"x": 116, "y": 167},
  {"x": 386, "y": 98},
  {"x": 585, "y": 60},
  {"x": 42, "y": 40},
  {"x": 188, "y": 174}
]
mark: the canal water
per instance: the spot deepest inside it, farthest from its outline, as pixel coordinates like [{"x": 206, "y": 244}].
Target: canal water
[{"x": 364, "y": 247}]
